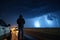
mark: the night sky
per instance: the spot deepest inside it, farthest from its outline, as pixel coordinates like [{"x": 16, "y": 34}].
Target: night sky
[{"x": 11, "y": 9}]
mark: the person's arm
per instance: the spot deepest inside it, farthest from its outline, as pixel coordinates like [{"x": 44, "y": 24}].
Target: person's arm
[{"x": 23, "y": 21}]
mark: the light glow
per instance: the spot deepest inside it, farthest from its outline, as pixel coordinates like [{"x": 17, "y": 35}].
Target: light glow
[
  {"x": 13, "y": 29},
  {"x": 16, "y": 32},
  {"x": 37, "y": 24}
]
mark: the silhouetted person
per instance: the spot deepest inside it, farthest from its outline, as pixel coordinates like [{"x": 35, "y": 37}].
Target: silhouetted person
[{"x": 20, "y": 22}]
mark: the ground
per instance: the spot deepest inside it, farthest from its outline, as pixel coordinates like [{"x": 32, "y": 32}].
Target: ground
[{"x": 35, "y": 34}]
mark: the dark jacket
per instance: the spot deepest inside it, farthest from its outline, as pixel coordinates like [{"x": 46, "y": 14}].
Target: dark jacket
[{"x": 20, "y": 21}]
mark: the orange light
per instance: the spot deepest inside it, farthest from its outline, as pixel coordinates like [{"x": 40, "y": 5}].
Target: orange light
[
  {"x": 13, "y": 30},
  {"x": 17, "y": 33}
]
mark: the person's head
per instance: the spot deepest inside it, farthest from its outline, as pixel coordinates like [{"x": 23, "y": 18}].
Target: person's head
[{"x": 20, "y": 16}]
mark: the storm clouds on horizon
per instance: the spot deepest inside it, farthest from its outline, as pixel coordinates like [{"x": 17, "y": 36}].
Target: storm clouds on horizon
[{"x": 11, "y": 9}]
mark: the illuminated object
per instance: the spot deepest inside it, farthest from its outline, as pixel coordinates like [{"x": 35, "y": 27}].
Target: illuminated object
[
  {"x": 37, "y": 24},
  {"x": 16, "y": 32},
  {"x": 13, "y": 30}
]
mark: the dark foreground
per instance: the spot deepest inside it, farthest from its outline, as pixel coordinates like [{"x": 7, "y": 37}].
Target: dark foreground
[{"x": 35, "y": 35}]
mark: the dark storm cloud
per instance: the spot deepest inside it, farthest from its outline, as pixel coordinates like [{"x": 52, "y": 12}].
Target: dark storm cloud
[
  {"x": 17, "y": 6},
  {"x": 10, "y": 9}
]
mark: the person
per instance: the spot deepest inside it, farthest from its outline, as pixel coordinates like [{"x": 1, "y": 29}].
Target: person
[{"x": 20, "y": 22}]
